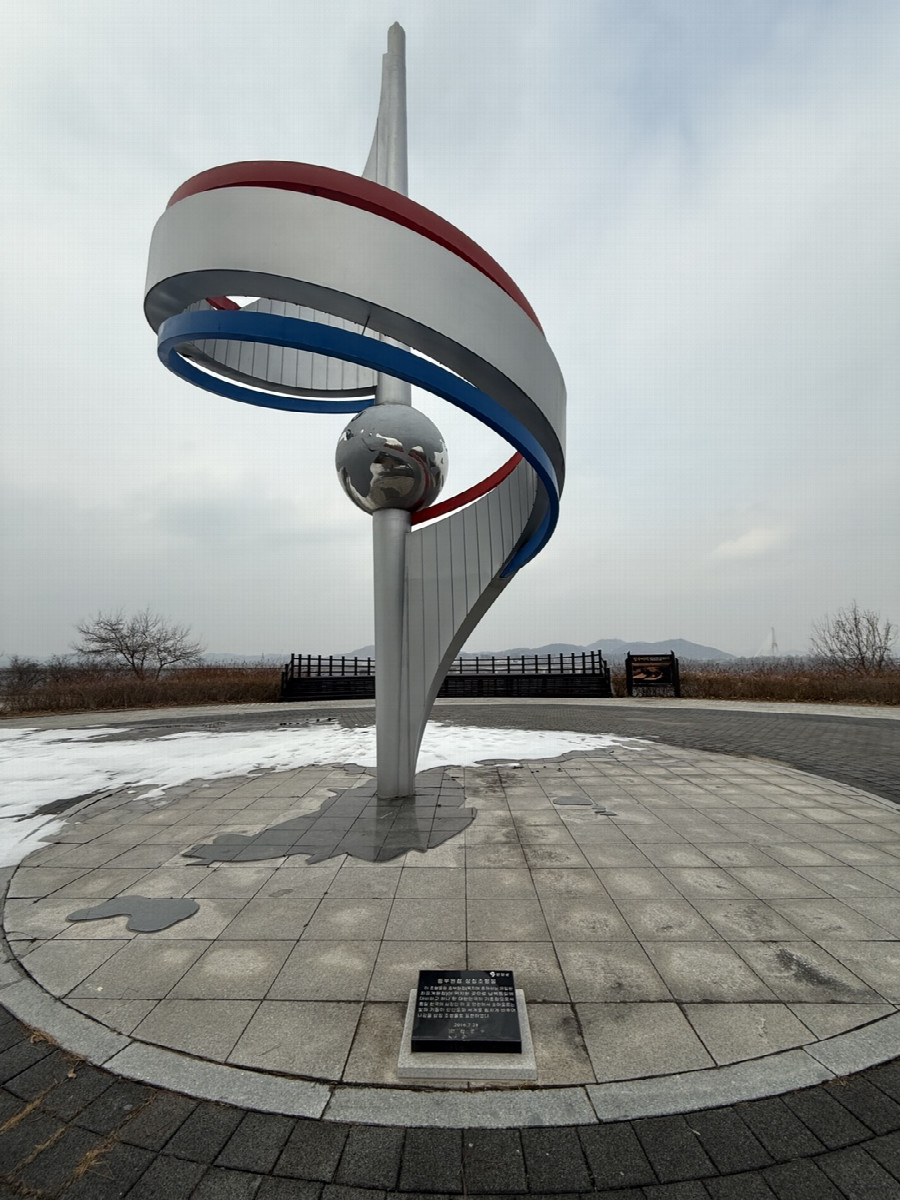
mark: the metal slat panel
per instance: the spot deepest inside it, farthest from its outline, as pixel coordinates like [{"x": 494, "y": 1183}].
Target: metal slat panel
[
  {"x": 231, "y": 354},
  {"x": 474, "y": 555},
  {"x": 245, "y": 358},
  {"x": 459, "y": 581},
  {"x": 497, "y": 546},
  {"x": 286, "y": 369},
  {"x": 415, "y": 614},
  {"x": 443, "y": 575}
]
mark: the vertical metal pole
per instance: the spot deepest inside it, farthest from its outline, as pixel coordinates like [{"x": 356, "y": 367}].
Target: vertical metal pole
[
  {"x": 395, "y": 770},
  {"x": 394, "y": 774}
]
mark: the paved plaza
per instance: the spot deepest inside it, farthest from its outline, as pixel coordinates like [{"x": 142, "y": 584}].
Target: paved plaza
[{"x": 697, "y": 927}]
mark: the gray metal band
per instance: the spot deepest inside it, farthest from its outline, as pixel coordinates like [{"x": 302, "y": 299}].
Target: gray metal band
[{"x": 342, "y": 260}]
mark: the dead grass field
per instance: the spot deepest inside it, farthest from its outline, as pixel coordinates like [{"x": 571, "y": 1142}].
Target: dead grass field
[{"x": 46, "y": 688}]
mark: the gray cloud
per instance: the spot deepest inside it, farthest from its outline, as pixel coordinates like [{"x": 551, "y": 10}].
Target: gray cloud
[{"x": 702, "y": 210}]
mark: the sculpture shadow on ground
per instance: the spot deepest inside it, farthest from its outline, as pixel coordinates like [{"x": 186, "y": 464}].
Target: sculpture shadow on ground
[{"x": 353, "y": 822}]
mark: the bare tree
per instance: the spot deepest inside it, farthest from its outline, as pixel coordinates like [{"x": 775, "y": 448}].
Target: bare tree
[
  {"x": 854, "y": 639},
  {"x": 144, "y": 643}
]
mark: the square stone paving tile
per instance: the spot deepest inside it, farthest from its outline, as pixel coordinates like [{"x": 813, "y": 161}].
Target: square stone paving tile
[
  {"x": 233, "y": 970},
  {"x": 491, "y": 835},
  {"x": 593, "y": 918},
  {"x": 431, "y": 883},
  {"x": 705, "y": 883},
  {"x": 320, "y": 970},
  {"x": 520, "y": 802},
  {"x": 398, "y": 964},
  {"x": 101, "y": 882},
  {"x": 827, "y": 1020},
  {"x": 209, "y": 921},
  {"x": 496, "y": 856},
  {"x": 704, "y": 971},
  {"x": 636, "y": 883},
  {"x": 269, "y": 917},
  {"x": 115, "y": 833},
  {"x": 666, "y": 920},
  {"x": 147, "y": 855},
  {"x": 859, "y": 854},
  {"x": 91, "y": 854},
  {"x": 559, "y": 1048},
  {"x": 885, "y": 873},
  {"x": 804, "y": 970},
  {"x": 534, "y": 965},
  {"x": 186, "y": 835},
  {"x": 172, "y": 880},
  {"x": 724, "y": 855},
  {"x": 592, "y": 832},
  {"x": 232, "y": 880},
  {"x": 876, "y": 963},
  {"x": 567, "y": 882},
  {"x": 59, "y": 966},
  {"x": 611, "y": 972},
  {"x": 541, "y": 857},
  {"x": 442, "y": 920},
  {"x": 746, "y": 920},
  {"x": 616, "y": 854},
  {"x": 376, "y": 1046},
  {"x": 883, "y": 910},
  {"x": 702, "y": 835},
  {"x": 207, "y": 1028},
  {"x": 545, "y": 835},
  {"x": 141, "y": 970},
  {"x": 802, "y": 854},
  {"x": 627, "y": 1041},
  {"x": 504, "y": 883},
  {"x": 47, "y": 918},
  {"x": 340, "y": 918},
  {"x": 540, "y": 820},
  {"x": 773, "y": 882},
  {"x": 815, "y": 832},
  {"x": 450, "y": 854},
  {"x": 847, "y": 882},
  {"x": 295, "y": 879},
  {"x": 365, "y": 881},
  {"x": 298, "y": 1037},
  {"x": 733, "y": 1032},
  {"x": 122, "y": 1015},
  {"x": 830, "y": 918},
  {"x": 679, "y": 854},
  {"x": 867, "y": 832},
  {"x": 518, "y": 920}
]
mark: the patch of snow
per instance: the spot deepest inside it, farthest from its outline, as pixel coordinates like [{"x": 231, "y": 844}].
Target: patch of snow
[{"x": 38, "y": 767}]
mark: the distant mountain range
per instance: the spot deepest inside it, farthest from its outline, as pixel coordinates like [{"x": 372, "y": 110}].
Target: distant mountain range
[{"x": 612, "y": 649}]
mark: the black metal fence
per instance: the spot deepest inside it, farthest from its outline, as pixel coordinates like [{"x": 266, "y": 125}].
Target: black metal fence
[{"x": 333, "y": 677}]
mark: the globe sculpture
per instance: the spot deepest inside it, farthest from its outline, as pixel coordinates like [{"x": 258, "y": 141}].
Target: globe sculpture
[
  {"x": 391, "y": 456},
  {"x": 362, "y": 294}
]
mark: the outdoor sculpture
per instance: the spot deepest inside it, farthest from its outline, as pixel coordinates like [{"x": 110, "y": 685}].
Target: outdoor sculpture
[{"x": 356, "y": 285}]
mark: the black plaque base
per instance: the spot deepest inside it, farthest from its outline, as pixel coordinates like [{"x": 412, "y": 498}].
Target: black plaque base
[{"x": 466, "y": 1012}]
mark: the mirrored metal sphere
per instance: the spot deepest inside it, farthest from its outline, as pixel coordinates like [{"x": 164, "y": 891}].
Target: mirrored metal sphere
[{"x": 391, "y": 456}]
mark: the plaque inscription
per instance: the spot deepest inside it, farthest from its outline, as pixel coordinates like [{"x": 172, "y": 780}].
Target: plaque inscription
[{"x": 466, "y": 1012}]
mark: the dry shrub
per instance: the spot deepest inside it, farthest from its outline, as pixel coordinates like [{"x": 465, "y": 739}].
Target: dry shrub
[
  {"x": 788, "y": 680},
  {"x": 77, "y": 688},
  {"x": 59, "y": 686}
]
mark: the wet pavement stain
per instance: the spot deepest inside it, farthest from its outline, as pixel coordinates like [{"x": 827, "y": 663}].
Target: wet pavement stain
[
  {"x": 809, "y": 973},
  {"x": 147, "y": 914},
  {"x": 354, "y": 822}
]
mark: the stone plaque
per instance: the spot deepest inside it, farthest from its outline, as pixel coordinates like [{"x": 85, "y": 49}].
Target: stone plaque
[{"x": 466, "y": 1012}]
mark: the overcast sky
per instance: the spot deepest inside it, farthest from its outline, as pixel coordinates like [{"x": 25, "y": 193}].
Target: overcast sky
[{"x": 700, "y": 198}]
